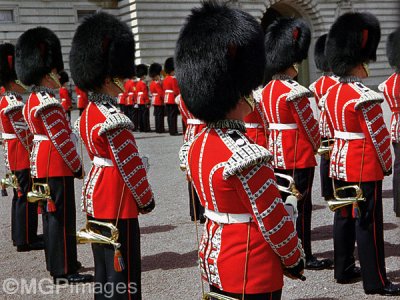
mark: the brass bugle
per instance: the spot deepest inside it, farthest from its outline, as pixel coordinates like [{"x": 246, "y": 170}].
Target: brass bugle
[
  {"x": 340, "y": 202},
  {"x": 91, "y": 235},
  {"x": 10, "y": 180},
  {"x": 40, "y": 192},
  {"x": 290, "y": 188},
  {"x": 326, "y": 146},
  {"x": 212, "y": 295}
]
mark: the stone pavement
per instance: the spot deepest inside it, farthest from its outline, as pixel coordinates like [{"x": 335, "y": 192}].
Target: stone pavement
[{"x": 168, "y": 242}]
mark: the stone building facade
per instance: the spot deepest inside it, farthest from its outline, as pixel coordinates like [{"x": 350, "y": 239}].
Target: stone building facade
[{"x": 156, "y": 23}]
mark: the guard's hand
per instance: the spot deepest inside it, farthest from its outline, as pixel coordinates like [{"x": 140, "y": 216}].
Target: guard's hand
[
  {"x": 295, "y": 272},
  {"x": 388, "y": 172},
  {"x": 148, "y": 208},
  {"x": 79, "y": 174}
]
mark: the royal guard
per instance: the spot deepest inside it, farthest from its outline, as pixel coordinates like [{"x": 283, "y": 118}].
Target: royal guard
[
  {"x": 361, "y": 153},
  {"x": 391, "y": 91},
  {"x": 17, "y": 144},
  {"x": 171, "y": 91},
  {"x": 249, "y": 240},
  {"x": 116, "y": 189},
  {"x": 157, "y": 94},
  {"x": 54, "y": 159},
  {"x": 293, "y": 131},
  {"x": 81, "y": 99},
  {"x": 256, "y": 121},
  {"x": 130, "y": 101},
  {"x": 319, "y": 88},
  {"x": 65, "y": 95},
  {"x": 142, "y": 92}
]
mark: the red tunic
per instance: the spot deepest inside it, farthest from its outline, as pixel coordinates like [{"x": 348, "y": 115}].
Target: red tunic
[
  {"x": 171, "y": 89},
  {"x": 354, "y": 109},
  {"x": 82, "y": 100},
  {"x": 66, "y": 101},
  {"x": 53, "y": 153},
  {"x": 17, "y": 139},
  {"x": 193, "y": 125},
  {"x": 130, "y": 92},
  {"x": 142, "y": 93},
  {"x": 320, "y": 88},
  {"x": 107, "y": 134},
  {"x": 293, "y": 129},
  {"x": 157, "y": 93},
  {"x": 391, "y": 91},
  {"x": 229, "y": 180}
]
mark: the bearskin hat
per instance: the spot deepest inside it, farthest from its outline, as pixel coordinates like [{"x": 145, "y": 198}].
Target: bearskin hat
[
  {"x": 169, "y": 65},
  {"x": 142, "y": 70},
  {"x": 287, "y": 41},
  {"x": 63, "y": 77},
  {"x": 226, "y": 63},
  {"x": 155, "y": 70},
  {"x": 352, "y": 40},
  {"x": 38, "y": 51},
  {"x": 7, "y": 64},
  {"x": 393, "y": 49},
  {"x": 320, "y": 59},
  {"x": 102, "y": 47}
]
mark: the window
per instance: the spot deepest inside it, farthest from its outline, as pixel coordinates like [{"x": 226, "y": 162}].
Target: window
[
  {"x": 83, "y": 13},
  {"x": 7, "y": 16}
]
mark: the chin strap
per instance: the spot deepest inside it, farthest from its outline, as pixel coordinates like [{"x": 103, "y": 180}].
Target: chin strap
[{"x": 119, "y": 84}]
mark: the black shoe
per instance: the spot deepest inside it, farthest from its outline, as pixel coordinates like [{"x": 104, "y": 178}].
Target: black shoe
[
  {"x": 389, "y": 289},
  {"x": 72, "y": 278},
  {"x": 314, "y": 264},
  {"x": 38, "y": 245},
  {"x": 350, "y": 276}
]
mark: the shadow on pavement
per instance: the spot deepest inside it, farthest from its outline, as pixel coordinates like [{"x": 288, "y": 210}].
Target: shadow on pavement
[
  {"x": 169, "y": 261},
  {"x": 387, "y": 194},
  {"x": 318, "y": 207},
  {"x": 322, "y": 233},
  {"x": 156, "y": 229}
]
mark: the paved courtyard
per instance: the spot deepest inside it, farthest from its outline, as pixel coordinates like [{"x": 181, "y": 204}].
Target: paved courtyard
[{"x": 168, "y": 242}]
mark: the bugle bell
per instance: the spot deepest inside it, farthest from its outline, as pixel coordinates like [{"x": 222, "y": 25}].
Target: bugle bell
[
  {"x": 90, "y": 234},
  {"x": 290, "y": 187},
  {"x": 40, "y": 192},
  {"x": 216, "y": 296},
  {"x": 341, "y": 201},
  {"x": 10, "y": 180},
  {"x": 326, "y": 147}
]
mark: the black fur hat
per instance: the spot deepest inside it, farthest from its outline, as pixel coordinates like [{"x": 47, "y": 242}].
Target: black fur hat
[
  {"x": 102, "y": 47},
  {"x": 320, "y": 59},
  {"x": 352, "y": 40},
  {"x": 37, "y": 52},
  {"x": 169, "y": 65},
  {"x": 393, "y": 49},
  {"x": 63, "y": 77},
  {"x": 142, "y": 70},
  {"x": 154, "y": 70},
  {"x": 7, "y": 64},
  {"x": 219, "y": 58},
  {"x": 287, "y": 41}
]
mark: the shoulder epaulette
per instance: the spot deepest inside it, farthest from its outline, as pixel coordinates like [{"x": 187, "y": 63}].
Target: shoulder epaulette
[
  {"x": 46, "y": 101},
  {"x": 367, "y": 95},
  {"x": 114, "y": 119},
  {"x": 257, "y": 95},
  {"x": 312, "y": 86},
  {"x": 183, "y": 155},
  {"x": 245, "y": 154},
  {"x": 13, "y": 104},
  {"x": 297, "y": 91},
  {"x": 77, "y": 126},
  {"x": 381, "y": 87}
]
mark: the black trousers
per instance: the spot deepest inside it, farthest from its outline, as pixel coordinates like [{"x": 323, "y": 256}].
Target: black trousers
[
  {"x": 59, "y": 227},
  {"x": 134, "y": 113},
  {"x": 276, "y": 295},
  {"x": 303, "y": 179},
  {"x": 172, "y": 117},
  {"x": 326, "y": 181},
  {"x": 159, "y": 118},
  {"x": 24, "y": 218},
  {"x": 197, "y": 209},
  {"x": 396, "y": 179},
  {"x": 144, "y": 118},
  {"x": 367, "y": 231},
  {"x": 130, "y": 277}
]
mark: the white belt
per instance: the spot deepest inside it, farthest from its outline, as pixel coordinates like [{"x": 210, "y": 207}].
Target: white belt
[
  {"x": 40, "y": 137},
  {"x": 155, "y": 94},
  {"x": 140, "y": 93},
  {"x": 8, "y": 136},
  {"x": 349, "y": 135},
  {"x": 102, "y": 162},
  {"x": 253, "y": 125},
  {"x": 194, "y": 122},
  {"x": 281, "y": 126},
  {"x": 169, "y": 91},
  {"x": 226, "y": 218}
]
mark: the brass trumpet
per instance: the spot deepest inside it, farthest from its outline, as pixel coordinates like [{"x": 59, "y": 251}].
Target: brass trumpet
[
  {"x": 10, "y": 180},
  {"x": 340, "y": 202},
  {"x": 212, "y": 295},
  {"x": 91, "y": 235},
  {"x": 326, "y": 147},
  {"x": 290, "y": 188},
  {"x": 40, "y": 192}
]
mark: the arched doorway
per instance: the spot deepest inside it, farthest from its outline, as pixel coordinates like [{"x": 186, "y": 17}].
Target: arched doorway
[{"x": 276, "y": 11}]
